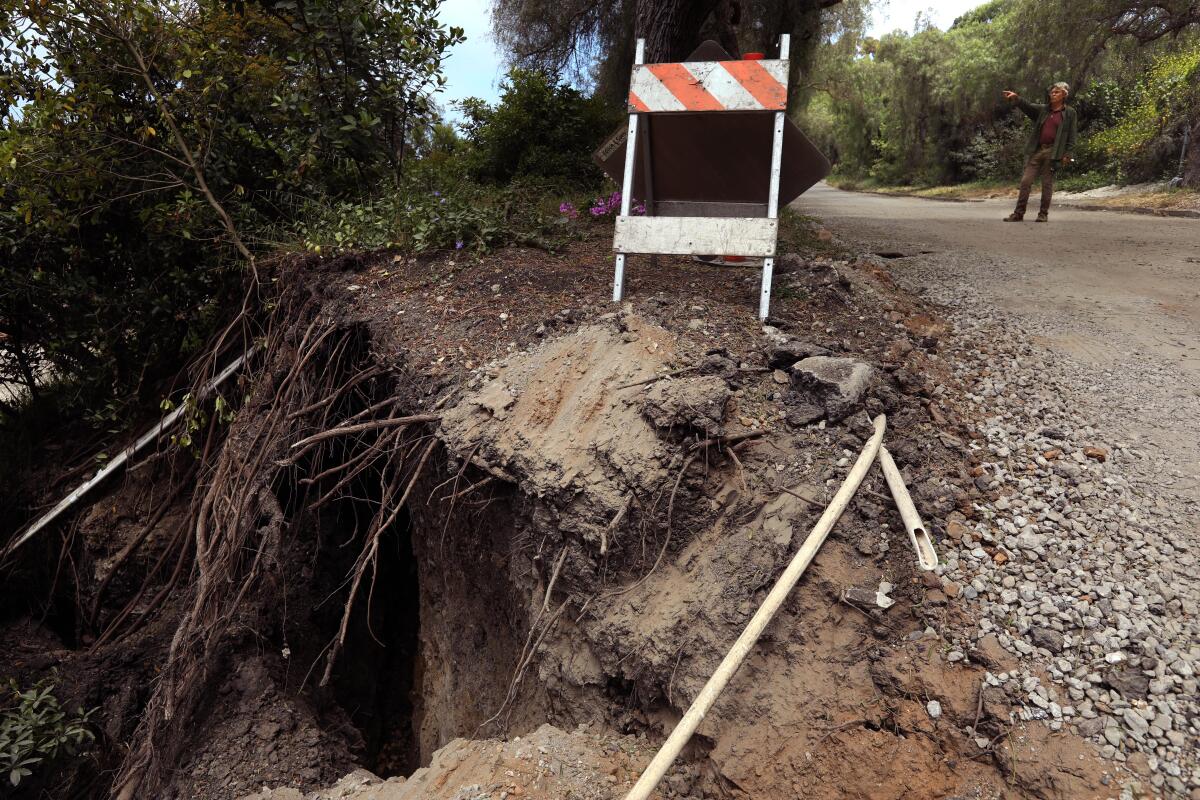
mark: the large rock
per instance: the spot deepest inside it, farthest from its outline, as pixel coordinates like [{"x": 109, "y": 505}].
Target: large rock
[
  {"x": 1050, "y": 639},
  {"x": 836, "y": 384},
  {"x": 688, "y": 404},
  {"x": 783, "y": 354},
  {"x": 1131, "y": 683}
]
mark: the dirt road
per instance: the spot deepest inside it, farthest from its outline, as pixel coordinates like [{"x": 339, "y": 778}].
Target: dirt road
[{"x": 1117, "y": 294}]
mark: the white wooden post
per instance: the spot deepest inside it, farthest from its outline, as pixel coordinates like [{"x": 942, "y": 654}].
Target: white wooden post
[
  {"x": 627, "y": 182},
  {"x": 764, "y": 303}
]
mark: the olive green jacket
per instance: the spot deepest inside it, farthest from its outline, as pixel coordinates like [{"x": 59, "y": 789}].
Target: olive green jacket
[{"x": 1064, "y": 141}]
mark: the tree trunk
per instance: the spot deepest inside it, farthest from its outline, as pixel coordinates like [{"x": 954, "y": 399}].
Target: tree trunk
[
  {"x": 726, "y": 18},
  {"x": 671, "y": 28},
  {"x": 1191, "y": 158}
]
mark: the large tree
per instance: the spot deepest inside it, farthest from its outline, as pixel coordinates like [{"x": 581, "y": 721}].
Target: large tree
[
  {"x": 594, "y": 41},
  {"x": 132, "y": 130}
]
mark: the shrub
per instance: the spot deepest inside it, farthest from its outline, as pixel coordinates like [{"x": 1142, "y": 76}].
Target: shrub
[
  {"x": 113, "y": 262},
  {"x": 540, "y": 128},
  {"x": 433, "y": 211},
  {"x": 1141, "y": 142},
  {"x": 34, "y": 730},
  {"x": 995, "y": 152}
]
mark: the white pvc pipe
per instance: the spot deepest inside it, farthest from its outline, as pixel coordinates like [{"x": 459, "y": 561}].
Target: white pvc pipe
[
  {"x": 917, "y": 534},
  {"x": 741, "y": 648},
  {"x": 117, "y": 462}
]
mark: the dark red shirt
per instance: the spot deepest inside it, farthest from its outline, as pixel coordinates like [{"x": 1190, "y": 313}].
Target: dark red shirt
[{"x": 1050, "y": 127}]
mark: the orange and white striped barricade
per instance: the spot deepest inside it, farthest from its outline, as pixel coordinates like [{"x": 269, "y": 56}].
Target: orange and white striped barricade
[{"x": 694, "y": 87}]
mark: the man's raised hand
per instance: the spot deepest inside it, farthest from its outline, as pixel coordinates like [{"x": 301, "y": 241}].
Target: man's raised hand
[{"x": 1010, "y": 95}]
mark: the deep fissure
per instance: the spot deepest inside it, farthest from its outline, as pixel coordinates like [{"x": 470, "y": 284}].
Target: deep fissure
[{"x": 374, "y": 679}]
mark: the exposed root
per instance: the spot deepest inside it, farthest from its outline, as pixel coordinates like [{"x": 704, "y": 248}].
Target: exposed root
[
  {"x": 314, "y": 410},
  {"x": 370, "y": 554}
]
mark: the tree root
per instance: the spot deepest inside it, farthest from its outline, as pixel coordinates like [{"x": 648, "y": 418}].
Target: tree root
[{"x": 310, "y": 411}]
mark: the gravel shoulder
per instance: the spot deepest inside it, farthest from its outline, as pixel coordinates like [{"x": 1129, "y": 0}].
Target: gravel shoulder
[{"x": 1076, "y": 349}]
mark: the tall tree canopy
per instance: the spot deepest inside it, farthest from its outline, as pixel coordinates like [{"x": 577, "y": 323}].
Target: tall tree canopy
[
  {"x": 925, "y": 107},
  {"x": 593, "y": 40},
  {"x": 134, "y": 129}
]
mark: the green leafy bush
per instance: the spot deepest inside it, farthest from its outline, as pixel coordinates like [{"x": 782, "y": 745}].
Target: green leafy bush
[
  {"x": 1140, "y": 141},
  {"x": 435, "y": 210},
  {"x": 541, "y": 128},
  {"x": 996, "y": 152},
  {"x": 113, "y": 259},
  {"x": 35, "y": 730}
]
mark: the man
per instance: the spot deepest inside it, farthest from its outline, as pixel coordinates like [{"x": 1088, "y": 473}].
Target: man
[{"x": 1050, "y": 144}]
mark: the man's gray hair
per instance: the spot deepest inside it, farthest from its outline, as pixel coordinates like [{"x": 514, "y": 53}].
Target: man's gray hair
[{"x": 1066, "y": 87}]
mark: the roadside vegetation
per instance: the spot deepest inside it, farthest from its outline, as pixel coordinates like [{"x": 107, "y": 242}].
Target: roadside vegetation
[
  {"x": 924, "y": 109},
  {"x": 152, "y": 154}
]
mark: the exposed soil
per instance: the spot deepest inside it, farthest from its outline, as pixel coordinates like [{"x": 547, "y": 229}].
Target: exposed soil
[{"x": 583, "y": 540}]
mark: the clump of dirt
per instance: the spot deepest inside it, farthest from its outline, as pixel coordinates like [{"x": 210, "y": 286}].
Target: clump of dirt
[
  {"x": 547, "y": 764},
  {"x": 478, "y": 505}
]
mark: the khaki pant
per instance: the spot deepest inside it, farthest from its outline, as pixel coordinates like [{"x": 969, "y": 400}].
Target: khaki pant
[{"x": 1041, "y": 162}]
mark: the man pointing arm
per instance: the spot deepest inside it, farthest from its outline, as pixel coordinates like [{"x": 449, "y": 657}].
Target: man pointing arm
[{"x": 1051, "y": 143}]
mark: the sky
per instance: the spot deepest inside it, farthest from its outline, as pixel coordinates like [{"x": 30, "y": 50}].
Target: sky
[
  {"x": 474, "y": 68},
  {"x": 892, "y": 14}
]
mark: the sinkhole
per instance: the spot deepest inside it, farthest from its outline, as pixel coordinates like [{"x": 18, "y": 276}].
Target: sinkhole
[{"x": 375, "y": 676}]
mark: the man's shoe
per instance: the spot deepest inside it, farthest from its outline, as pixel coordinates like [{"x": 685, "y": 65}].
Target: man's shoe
[
  {"x": 1043, "y": 217},
  {"x": 1014, "y": 217}
]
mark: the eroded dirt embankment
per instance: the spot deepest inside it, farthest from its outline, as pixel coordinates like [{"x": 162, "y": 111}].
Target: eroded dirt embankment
[{"x": 556, "y": 532}]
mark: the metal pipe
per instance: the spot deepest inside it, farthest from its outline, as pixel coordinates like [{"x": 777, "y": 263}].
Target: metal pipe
[
  {"x": 117, "y": 462},
  {"x": 627, "y": 182},
  {"x": 764, "y": 295},
  {"x": 661, "y": 762}
]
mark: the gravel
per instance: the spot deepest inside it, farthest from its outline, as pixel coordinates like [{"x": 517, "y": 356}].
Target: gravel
[{"x": 1085, "y": 563}]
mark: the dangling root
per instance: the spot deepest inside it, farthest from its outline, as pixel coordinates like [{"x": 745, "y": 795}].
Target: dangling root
[
  {"x": 370, "y": 554},
  {"x": 311, "y": 411}
]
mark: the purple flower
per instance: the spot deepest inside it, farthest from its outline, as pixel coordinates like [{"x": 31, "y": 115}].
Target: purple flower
[
  {"x": 436, "y": 193},
  {"x": 568, "y": 210},
  {"x": 458, "y": 245}
]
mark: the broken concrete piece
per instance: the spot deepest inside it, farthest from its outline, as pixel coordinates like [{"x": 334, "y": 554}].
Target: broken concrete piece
[
  {"x": 866, "y": 596},
  {"x": 1131, "y": 683},
  {"x": 1052, "y": 640},
  {"x": 837, "y": 384},
  {"x": 802, "y": 413},
  {"x": 781, "y": 355},
  {"x": 720, "y": 365},
  {"x": 689, "y": 403}
]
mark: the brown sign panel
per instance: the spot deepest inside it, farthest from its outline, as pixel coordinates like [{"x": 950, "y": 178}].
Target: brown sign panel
[{"x": 712, "y": 164}]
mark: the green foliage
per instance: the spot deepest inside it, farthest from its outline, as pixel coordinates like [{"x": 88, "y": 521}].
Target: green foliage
[
  {"x": 541, "y": 128},
  {"x": 925, "y": 108},
  {"x": 114, "y": 259},
  {"x": 994, "y": 152},
  {"x": 434, "y": 209},
  {"x": 35, "y": 729},
  {"x": 1169, "y": 92}
]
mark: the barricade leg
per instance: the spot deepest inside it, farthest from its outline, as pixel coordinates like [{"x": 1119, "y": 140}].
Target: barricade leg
[{"x": 619, "y": 279}]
